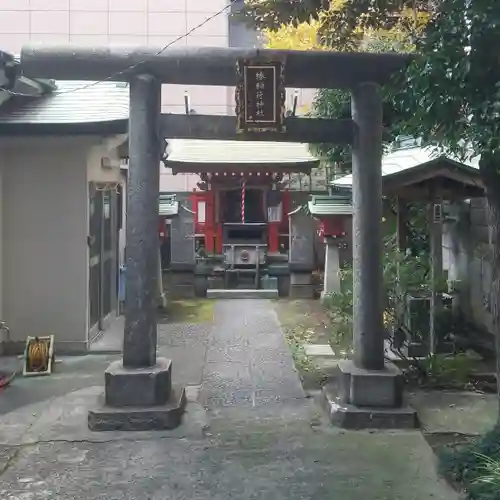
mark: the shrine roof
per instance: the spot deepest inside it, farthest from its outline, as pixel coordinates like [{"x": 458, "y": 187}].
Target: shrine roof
[
  {"x": 193, "y": 154},
  {"x": 319, "y": 205},
  {"x": 68, "y": 107},
  {"x": 169, "y": 205},
  {"x": 414, "y": 164}
]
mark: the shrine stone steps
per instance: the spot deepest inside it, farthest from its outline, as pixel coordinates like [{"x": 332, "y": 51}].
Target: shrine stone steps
[{"x": 242, "y": 294}]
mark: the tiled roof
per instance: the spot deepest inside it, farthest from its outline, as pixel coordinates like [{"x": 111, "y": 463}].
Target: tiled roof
[
  {"x": 406, "y": 159},
  {"x": 330, "y": 205},
  {"x": 253, "y": 152},
  {"x": 91, "y": 103},
  {"x": 168, "y": 205}
]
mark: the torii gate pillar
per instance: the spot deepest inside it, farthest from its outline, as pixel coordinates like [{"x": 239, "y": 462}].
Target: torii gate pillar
[
  {"x": 371, "y": 390},
  {"x": 138, "y": 388}
]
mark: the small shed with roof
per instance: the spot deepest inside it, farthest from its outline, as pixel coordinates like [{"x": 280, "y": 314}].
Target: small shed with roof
[
  {"x": 411, "y": 172},
  {"x": 61, "y": 191}
]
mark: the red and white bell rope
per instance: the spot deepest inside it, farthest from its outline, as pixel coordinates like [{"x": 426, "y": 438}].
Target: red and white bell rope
[{"x": 243, "y": 190}]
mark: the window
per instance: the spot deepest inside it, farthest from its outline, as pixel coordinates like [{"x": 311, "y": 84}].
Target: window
[
  {"x": 274, "y": 214},
  {"x": 201, "y": 212}
]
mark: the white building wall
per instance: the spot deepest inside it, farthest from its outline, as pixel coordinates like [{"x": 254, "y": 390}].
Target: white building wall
[{"x": 44, "y": 258}]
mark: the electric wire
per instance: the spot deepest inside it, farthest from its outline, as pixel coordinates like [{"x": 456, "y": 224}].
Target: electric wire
[{"x": 132, "y": 66}]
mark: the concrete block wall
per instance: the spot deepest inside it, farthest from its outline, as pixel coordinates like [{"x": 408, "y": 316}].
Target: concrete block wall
[
  {"x": 469, "y": 259},
  {"x": 479, "y": 267}
]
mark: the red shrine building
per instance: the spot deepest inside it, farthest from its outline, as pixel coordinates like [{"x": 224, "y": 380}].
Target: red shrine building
[{"x": 243, "y": 228}]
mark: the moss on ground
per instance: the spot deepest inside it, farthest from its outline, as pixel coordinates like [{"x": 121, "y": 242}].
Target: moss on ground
[
  {"x": 304, "y": 322},
  {"x": 190, "y": 311}
]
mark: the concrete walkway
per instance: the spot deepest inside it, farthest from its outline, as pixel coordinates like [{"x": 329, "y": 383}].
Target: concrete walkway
[
  {"x": 249, "y": 432},
  {"x": 248, "y": 361}
]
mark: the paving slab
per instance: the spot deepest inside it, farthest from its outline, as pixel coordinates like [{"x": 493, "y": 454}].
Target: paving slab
[
  {"x": 64, "y": 418},
  {"x": 70, "y": 373},
  {"x": 240, "y": 294},
  {"x": 265, "y": 460},
  {"x": 318, "y": 350},
  {"x": 455, "y": 412},
  {"x": 248, "y": 360}
]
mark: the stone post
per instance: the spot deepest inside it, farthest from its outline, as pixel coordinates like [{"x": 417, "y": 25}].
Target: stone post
[
  {"x": 459, "y": 243},
  {"x": 369, "y": 393},
  {"x": 138, "y": 389},
  {"x": 367, "y": 230},
  {"x": 436, "y": 244},
  {"x": 139, "y": 341},
  {"x": 332, "y": 282}
]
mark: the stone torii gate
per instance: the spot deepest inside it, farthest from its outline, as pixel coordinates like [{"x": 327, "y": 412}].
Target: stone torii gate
[{"x": 138, "y": 392}]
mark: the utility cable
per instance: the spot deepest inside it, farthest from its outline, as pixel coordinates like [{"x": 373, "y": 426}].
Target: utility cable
[{"x": 133, "y": 66}]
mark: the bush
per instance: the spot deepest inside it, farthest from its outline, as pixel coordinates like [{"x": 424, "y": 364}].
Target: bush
[
  {"x": 476, "y": 466},
  {"x": 446, "y": 370},
  {"x": 339, "y": 309},
  {"x": 401, "y": 273}
]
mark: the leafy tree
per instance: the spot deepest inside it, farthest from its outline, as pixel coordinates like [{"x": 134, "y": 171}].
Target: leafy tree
[
  {"x": 450, "y": 93},
  {"x": 303, "y": 36},
  {"x": 341, "y": 23},
  {"x": 335, "y": 103}
]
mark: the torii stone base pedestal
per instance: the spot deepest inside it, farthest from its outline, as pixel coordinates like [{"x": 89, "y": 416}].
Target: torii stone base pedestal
[
  {"x": 364, "y": 399},
  {"x": 138, "y": 399}
]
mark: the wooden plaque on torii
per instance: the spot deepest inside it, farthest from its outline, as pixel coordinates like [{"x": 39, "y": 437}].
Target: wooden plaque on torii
[{"x": 260, "y": 96}]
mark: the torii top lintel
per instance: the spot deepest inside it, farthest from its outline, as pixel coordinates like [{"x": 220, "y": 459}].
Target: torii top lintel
[{"x": 205, "y": 65}]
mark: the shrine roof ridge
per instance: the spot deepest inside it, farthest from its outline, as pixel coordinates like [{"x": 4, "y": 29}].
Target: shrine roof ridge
[
  {"x": 205, "y": 65},
  {"x": 227, "y": 153},
  {"x": 408, "y": 160},
  {"x": 319, "y": 205}
]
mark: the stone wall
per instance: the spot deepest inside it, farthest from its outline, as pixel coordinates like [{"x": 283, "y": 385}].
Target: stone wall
[
  {"x": 469, "y": 262},
  {"x": 300, "y": 198},
  {"x": 182, "y": 235},
  {"x": 466, "y": 259}
]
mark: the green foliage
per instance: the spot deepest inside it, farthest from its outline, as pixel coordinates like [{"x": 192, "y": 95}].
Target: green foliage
[
  {"x": 413, "y": 277},
  {"x": 477, "y": 466},
  {"x": 491, "y": 468},
  {"x": 296, "y": 342},
  {"x": 321, "y": 30},
  {"x": 342, "y": 23},
  {"x": 271, "y": 14},
  {"x": 449, "y": 95},
  {"x": 445, "y": 370},
  {"x": 413, "y": 274},
  {"x": 339, "y": 309},
  {"x": 451, "y": 92},
  {"x": 332, "y": 103},
  {"x": 336, "y": 103}
]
